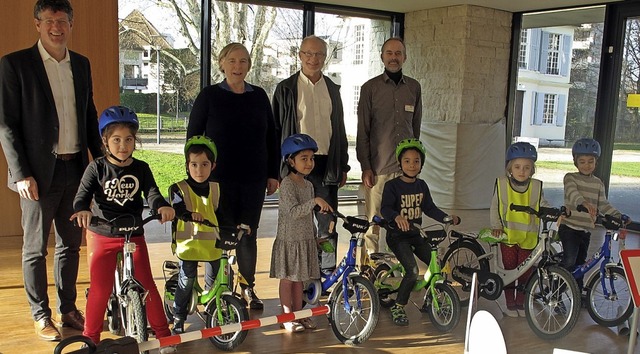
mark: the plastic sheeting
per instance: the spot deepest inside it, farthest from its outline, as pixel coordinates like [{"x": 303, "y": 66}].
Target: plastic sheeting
[{"x": 463, "y": 162}]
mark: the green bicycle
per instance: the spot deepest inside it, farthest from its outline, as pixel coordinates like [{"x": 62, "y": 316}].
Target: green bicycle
[
  {"x": 441, "y": 302},
  {"x": 221, "y": 306}
]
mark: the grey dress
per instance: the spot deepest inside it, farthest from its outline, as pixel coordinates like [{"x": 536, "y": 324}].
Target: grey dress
[{"x": 295, "y": 253}]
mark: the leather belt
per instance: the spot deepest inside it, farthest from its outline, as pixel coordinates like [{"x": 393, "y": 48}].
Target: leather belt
[{"x": 67, "y": 157}]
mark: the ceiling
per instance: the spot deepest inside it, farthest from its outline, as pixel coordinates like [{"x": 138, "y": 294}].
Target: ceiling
[{"x": 404, "y": 6}]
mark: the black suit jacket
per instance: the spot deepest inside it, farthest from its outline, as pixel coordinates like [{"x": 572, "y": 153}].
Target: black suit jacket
[{"x": 29, "y": 123}]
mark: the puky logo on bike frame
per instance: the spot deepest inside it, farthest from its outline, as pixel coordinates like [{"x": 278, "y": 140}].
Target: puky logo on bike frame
[{"x": 121, "y": 190}]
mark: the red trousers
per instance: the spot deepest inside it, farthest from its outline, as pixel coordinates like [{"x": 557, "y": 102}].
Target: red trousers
[
  {"x": 102, "y": 264},
  {"x": 511, "y": 258}
]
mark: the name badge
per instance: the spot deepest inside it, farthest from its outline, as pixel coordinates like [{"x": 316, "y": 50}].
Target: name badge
[{"x": 409, "y": 108}]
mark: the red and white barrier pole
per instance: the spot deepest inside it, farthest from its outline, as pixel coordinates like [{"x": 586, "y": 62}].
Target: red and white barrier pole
[{"x": 230, "y": 328}]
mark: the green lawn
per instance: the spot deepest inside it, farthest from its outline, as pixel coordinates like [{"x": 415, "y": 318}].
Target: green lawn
[
  {"x": 167, "y": 168},
  {"x": 628, "y": 169}
]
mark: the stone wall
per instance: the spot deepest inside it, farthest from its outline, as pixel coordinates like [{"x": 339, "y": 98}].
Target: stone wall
[{"x": 460, "y": 55}]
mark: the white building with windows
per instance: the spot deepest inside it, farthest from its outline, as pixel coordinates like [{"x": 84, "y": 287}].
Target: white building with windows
[{"x": 544, "y": 67}]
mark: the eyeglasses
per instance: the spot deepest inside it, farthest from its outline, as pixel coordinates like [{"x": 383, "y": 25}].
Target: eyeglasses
[
  {"x": 311, "y": 54},
  {"x": 50, "y": 22}
]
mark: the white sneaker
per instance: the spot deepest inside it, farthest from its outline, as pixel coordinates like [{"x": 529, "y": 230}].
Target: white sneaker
[
  {"x": 168, "y": 350},
  {"x": 511, "y": 313},
  {"x": 521, "y": 313}
]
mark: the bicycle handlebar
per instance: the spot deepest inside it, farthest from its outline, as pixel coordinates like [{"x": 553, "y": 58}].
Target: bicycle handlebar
[
  {"x": 544, "y": 213},
  {"x": 122, "y": 224},
  {"x": 608, "y": 221}
]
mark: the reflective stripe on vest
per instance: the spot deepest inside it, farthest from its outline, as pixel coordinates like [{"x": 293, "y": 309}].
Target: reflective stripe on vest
[
  {"x": 521, "y": 228},
  {"x": 193, "y": 241}
]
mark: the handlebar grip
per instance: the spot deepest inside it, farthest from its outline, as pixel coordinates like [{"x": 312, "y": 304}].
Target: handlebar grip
[
  {"x": 187, "y": 217},
  {"x": 522, "y": 208}
]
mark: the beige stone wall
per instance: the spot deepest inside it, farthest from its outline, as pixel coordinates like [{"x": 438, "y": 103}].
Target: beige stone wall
[{"x": 460, "y": 56}]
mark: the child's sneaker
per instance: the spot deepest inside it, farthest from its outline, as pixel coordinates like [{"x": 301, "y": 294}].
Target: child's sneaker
[
  {"x": 399, "y": 316},
  {"x": 168, "y": 350}
]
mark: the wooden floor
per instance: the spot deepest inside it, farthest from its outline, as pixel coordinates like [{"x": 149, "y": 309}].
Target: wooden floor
[{"x": 18, "y": 336}]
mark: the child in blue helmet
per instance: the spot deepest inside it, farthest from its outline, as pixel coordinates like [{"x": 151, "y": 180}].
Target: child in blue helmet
[
  {"x": 111, "y": 186},
  {"x": 404, "y": 200},
  {"x": 582, "y": 188},
  {"x": 517, "y": 187},
  {"x": 194, "y": 198},
  {"x": 294, "y": 258}
]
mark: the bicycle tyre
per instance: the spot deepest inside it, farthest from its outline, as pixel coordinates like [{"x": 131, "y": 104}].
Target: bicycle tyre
[
  {"x": 135, "y": 322},
  {"x": 463, "y": 253},
  {"x": 552, "y": 304},
  {"x": 356, "y": 326},
  {"x": 447, "y": 316},
  {"x": 605, "y": 311},
  {"x": 113, "y": 314},
  {"x": 382, "y": 276},
  {"x": 233, "y": 311},
  {"x": 169, "y": 296}
]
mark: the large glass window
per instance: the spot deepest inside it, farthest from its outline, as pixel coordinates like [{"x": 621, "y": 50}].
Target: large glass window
[
  {"x": 159, "y": 64},
  {"x": 355, "y": 43},
  {"x": 555, "y": 99},
  {"x": 272, "y": 35}
]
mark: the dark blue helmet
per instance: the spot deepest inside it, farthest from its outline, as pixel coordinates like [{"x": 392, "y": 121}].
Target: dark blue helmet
[
  {"x": 521, "y": 150},
  {"x": 586, "y": 146},
  {"x": 117, "y": 114},
  {"x": 296, "y": 143}
]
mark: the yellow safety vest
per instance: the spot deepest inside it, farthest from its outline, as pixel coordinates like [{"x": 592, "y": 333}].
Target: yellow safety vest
[
  {"x": 193, "y": 241},
  {"x": 521, "y": 228}
]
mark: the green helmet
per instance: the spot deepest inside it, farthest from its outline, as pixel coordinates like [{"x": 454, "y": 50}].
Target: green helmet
[
  {"x": 486, "y": 235},
  {"x": 411, "y": 144},
  {"x": 201, "y": 140}
]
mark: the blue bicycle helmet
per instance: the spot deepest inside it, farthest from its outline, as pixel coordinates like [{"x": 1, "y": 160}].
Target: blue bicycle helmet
[
  {"x": 521, "y": 150},
  {"x": 586, "y": 146},
  {"x": 117, "y": 114},
  {"x": 296, "y": 143}
]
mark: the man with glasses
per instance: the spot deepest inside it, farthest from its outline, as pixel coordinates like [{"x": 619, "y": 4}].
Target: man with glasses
[
  {"x": 309, "y": 102},
  {"x": 389, "y": 110},
  {"x": 48, "y": 121}
]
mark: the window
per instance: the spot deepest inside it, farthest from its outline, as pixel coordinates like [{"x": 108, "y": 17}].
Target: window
[
  {"x": 522, "y": 53},
  {"x": 553, "y": 54},
  {"x": 355, "y": 43},
  {"x": 358, "y": 55},
  {"x": 356, "y": 98},
  {"x": 549, "y": 109}
]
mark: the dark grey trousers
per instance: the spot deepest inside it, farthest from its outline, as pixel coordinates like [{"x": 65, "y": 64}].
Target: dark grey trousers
[{"x": 37, "y": 216}]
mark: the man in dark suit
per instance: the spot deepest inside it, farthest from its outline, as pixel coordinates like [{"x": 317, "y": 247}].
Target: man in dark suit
[{"x": 47, "y": 122}]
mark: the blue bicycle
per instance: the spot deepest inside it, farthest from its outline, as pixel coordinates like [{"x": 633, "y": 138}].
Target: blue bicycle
[
  {"x": 354, "y": 301},
  {"x": 608, "y": 298}
]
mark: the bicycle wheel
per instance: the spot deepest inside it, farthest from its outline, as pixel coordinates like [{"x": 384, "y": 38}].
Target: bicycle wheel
[
  {"x": 386, "y": 283},
  {"x": 113, "y": 314},
  {"x": 616, "y": 307},
  {"x": 231, "y": 310},
  {"x": 354, "y": 325},
  {"x": 459, "y": 255},
  {"x": 552, "y": 302},
  {"x": 169, "y": 296},
  {"x": 135, "y": 320},
  {"x": 446, "y": 315}
]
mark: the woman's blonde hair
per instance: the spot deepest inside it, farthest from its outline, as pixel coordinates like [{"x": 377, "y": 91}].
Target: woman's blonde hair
[{"x": 230, "y": 48}]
